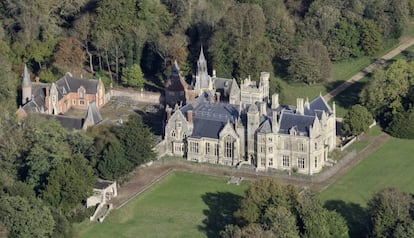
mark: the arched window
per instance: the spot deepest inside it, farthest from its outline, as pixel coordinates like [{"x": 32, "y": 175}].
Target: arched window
[
  {"x": 172, "y": 133},
  {"x": 228, "y": 147}
]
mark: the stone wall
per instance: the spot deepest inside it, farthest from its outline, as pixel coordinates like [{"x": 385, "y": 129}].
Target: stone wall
[{"x": 139, "y": 96}]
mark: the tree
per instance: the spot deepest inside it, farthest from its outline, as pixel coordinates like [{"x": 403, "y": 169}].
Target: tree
[
  {"x": 69, "y": 184},
  {"x": 389, "y": 208},
  {"x": 132, "y": 76},
  {"x": 402, "y": 125},
  {"x": 136, "y": 140},
  {"x": 25, "y": 218},
  {"x": 384, "y": 92},
  {"x": 343, "y": 42},
  {"x": 310, "y": 63},
  {"x": 370, "y": 37},
  {"x": 70, "y": 56},
  {"x": 113, "y": 164},
  {"x": 245, "y": 51},
  {"x": 357, "y": 120}
]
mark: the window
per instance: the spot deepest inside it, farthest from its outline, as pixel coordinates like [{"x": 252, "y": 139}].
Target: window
[
  {"x": 81, "y": 102},
  {"x": 172, "y": 133},
  {"x": 316, "y": 145},
  {"x": 262, "y": 149},
  {"x": 178, "y": 124},
  {"x": 286, "y": 145},
  {"x": 207, "y": 148},
  {"x": 270, "y": 139},
  {"x": 301, "y": 147},
  {"x": 194, "y": 147},
  {"x": 270, "y": 149},
  {"x": 263, "y": 162},
  {"x": 316, "y": 161},
  {"x": 270, "y": 161},
  {"x": 285, "y": 161},
  {"x": 216, "y": 149},
  {"x": 301, "y": 162},
  {"x": 228, "y": 147}
]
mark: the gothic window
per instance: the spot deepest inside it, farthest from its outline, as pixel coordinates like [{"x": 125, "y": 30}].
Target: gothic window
[
  {"x": 270, "y": 139},
  {"x": 316, "y": 145},
  {"x": 263, "y": 162},
  {"x": 270, "y": 149},
  {"x": 194, "y": 147},
  {"x": 172, "y": 133},
  {"x": 262, "y": 149},
  {"x": 228, "y": 147},
  {"x": 301, "y": 162},
  {"x": 285, "y": 161},
  {"x": 316, "y": 161},
  {"x": 301, "y": 147},
  {"x": 216, "y": 149},
  {"x": 207, "y": 148},
  {"x": 270, "y": 161},
  {"x": 177, "y": 124}
]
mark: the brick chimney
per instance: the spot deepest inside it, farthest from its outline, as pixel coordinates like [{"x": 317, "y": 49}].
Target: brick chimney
[
  {"x": 190, "y": 116},
  {"x": 218, "y": 94}
]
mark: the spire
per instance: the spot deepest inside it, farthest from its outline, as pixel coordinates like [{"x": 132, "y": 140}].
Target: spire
[
  {"x": 26, "y": 77},
  {"x": 175, "y": 68},
  {"x": 201, "y": 58}
]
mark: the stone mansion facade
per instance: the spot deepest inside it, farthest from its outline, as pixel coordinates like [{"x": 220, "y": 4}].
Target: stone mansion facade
[{"x": 217, "y": 121}]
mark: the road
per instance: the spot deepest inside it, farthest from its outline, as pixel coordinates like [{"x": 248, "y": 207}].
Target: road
[{"x": 370, "y": 68}]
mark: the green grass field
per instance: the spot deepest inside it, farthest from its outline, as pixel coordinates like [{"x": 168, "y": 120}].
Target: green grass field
[
  {"x": 391, "y": 165},
  {"x": 181, "y": 205}
]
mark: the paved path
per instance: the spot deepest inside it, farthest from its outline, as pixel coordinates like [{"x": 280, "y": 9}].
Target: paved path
[{"x": 369, "y": 69}]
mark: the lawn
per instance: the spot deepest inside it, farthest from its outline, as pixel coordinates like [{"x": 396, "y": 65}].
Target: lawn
[
  {"x": 391, "y": 165},
  {"x": 181, "y": 205}
]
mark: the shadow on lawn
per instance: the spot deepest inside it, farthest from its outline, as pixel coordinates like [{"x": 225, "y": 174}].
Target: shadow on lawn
[
  {"x": 356, "y": 217},
  {"x": 350, "y": 96},
  {"x": 221, "y": 206}
]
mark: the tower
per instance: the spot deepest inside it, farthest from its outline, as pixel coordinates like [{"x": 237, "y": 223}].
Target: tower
[
  {"x": 264, "y": 82},
  {"x": 253, "y": 119},
  {"x": 203, "y": 80},
  {"x": 26, "y": 86}
]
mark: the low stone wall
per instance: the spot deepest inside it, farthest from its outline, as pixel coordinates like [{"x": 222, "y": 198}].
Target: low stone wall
[{"x": 139, "y": 95}]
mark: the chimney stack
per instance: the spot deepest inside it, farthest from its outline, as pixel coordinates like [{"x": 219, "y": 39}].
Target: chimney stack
[
  {"x": 190, "y": 116},
  {"x": 299, "y": 106},
  {"x": 168, "y": 110},
  {"x": 275, "y": 101},
  {"x": 47, "y": 90},
  {"x": 263, "y": 108},
  {"x": 214, "y": 73},
  {"x": 218, "y": 94}
]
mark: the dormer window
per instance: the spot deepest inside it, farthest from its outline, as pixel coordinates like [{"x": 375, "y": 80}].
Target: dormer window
[{"x": 81, "y": 92}]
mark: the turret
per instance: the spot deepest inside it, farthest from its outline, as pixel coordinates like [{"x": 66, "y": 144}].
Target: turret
[
  {"x": 264, "y": 81},
  {"x": 26, "y": 86}
]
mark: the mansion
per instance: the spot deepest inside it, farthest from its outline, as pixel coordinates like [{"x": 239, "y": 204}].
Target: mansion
[{"x": 215, "y": 120}]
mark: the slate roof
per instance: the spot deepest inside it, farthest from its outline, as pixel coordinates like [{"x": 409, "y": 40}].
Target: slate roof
[
  {"x": 101, "y": 184},
  {"x": 265, "y": 127},
  {"x": 66, "y": 122},
  {"x": 319, "y": 104},
  {"x": 93, "y": 113},
  {"x": 68, "y": 84},
  {"x": 209, "y": 118},
  {"x": 37, "y": 102},
  {"x": 175, "y": 82},
  {"x": 302, "y": 123}
]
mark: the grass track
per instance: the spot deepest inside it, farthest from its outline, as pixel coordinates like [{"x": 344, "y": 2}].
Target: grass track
[{"x": 175, "y": 207}]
